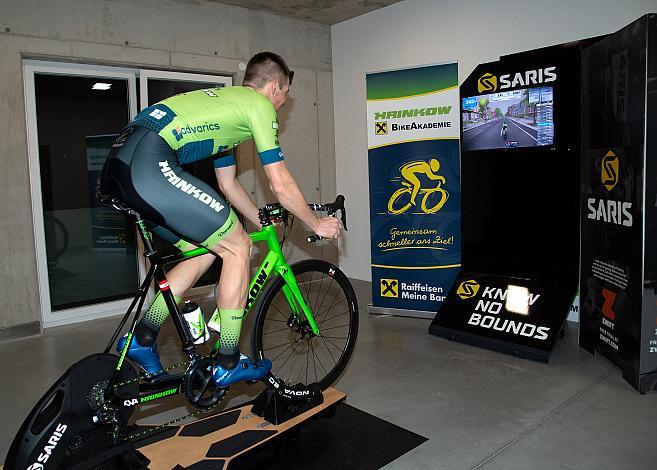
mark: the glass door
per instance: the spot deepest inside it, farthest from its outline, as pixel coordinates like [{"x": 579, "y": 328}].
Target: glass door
[
  {"x": 154, "y": 86},
  {"x": 87, "y": 261}
]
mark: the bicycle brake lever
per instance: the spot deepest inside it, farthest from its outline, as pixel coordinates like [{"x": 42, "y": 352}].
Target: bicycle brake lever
[{"x": 338, "y": 205}]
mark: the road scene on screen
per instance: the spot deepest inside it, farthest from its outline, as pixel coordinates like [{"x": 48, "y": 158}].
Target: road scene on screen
[{"x": 518, "y": 118}]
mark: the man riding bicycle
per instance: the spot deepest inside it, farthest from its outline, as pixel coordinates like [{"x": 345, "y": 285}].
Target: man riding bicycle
[{"x": 144, "y": 169}]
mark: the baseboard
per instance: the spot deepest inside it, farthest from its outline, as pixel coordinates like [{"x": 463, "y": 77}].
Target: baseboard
[{"x": 20, "y": 331}]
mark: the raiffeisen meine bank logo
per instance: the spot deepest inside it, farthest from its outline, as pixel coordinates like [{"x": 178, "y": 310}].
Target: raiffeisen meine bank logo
[
  {"x": 487, "y": 83},
  {"x": 390, "y": 288},
  {"x": 468, "y": 289}
]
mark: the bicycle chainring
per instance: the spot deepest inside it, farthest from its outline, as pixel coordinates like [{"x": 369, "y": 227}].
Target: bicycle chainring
[{"x": 199, "y": 385}]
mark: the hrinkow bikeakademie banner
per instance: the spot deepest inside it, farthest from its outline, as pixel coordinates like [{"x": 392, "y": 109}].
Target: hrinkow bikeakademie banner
[{"x": 413, "y": 128}]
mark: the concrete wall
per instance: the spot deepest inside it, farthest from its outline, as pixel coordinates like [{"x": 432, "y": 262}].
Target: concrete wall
[
  {"x": 164, "y": 34},
  {"x": 417, "y": 32}
]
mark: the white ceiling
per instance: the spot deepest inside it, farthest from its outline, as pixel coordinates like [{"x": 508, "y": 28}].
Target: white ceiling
[{"x": 319, "y": 11}]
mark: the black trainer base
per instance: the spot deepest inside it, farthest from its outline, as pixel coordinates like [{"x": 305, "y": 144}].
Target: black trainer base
[{"x": 276, "y": 409}]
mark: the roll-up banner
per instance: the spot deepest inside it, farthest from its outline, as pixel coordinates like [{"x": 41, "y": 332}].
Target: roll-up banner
[{"x": 413, "y": 133}]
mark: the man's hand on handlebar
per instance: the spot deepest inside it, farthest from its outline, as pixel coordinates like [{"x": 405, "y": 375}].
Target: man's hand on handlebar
[{"x": 328, "y": 227}]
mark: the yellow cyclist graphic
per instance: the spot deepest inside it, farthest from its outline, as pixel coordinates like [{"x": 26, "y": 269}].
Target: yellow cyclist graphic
[{"x": 412, "y": 186}]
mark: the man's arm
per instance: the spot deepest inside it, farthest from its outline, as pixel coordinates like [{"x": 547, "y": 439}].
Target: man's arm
[
  {"x": 236, "y": 194},
  {"x": 287, "y": 192}
]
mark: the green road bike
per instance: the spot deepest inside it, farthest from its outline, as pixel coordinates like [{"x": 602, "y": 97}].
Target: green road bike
[{"x": 306, "y": 323}]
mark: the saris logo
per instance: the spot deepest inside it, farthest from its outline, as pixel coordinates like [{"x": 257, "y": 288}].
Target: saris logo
[
  {"x": 610, "y": 210},
  {"x": 487, "y": 83},
  {"x": 468, "y": 289},
  {"x": 610, "y": 166}
]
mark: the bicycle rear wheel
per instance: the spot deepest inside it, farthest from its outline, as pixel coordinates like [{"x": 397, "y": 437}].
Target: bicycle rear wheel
[{"x": 286, "y": 339}]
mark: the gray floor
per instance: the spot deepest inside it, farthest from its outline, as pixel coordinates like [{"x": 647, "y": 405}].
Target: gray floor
[{"x": 479, "y": 409}]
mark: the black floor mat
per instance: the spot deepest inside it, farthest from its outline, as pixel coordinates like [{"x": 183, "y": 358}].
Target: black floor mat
[{"x": 352, "y": 439}]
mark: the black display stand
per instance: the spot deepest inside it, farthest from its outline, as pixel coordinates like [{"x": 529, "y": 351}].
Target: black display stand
[
  {"x": 479, "y": 314},
  {"x": 520, "y": 204},
  {"x": 618, "y": 308}
]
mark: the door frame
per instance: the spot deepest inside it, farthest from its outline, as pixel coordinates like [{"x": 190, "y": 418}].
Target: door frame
[{"x": 30, "y": 68}]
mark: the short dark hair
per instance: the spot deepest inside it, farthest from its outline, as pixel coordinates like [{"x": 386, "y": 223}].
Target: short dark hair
[{"x": 265, "y": 67}]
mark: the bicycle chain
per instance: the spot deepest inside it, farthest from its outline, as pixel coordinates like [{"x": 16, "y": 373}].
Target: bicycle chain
[
  {"x": 141, "y": 434},
  {"x": 146, "y": 375},
  {"x": 158, "y": 427}
]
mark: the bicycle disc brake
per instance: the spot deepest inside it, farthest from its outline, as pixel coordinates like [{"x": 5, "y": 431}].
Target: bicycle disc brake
[
  {"x": 200, "y": 387},
  {"x": 60, "y": 430}
]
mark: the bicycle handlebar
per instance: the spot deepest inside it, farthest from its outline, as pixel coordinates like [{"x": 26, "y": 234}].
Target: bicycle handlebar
[
  {"x": 331, "y": 209},
  {"x": 277, "y": 212}
]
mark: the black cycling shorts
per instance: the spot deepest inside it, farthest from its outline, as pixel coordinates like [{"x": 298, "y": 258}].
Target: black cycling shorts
[{"x": 143, "y": 171}]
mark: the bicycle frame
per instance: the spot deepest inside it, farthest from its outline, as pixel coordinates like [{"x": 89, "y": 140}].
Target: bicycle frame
[{"x": 274, "y": 262}]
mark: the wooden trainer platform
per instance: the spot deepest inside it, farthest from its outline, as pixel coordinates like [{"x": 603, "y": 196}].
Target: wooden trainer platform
[{"x": 212, "y": 442}]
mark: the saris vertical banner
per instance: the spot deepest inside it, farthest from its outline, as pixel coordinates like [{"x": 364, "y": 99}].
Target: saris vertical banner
[{"x": 413, "y": 128}]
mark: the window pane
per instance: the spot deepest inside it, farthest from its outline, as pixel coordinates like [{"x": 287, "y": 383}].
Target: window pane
[{"x": 90, "y": 248}]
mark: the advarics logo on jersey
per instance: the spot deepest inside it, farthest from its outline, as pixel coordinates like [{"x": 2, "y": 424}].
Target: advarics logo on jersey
[{"x": 179, "y": 132}]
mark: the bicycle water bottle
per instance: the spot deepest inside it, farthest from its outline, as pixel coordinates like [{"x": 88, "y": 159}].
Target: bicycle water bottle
[{"x": 195, "y": 322}]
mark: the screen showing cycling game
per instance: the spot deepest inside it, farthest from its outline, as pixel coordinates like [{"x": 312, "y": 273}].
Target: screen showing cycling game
[{"x": 508, "y": 119}]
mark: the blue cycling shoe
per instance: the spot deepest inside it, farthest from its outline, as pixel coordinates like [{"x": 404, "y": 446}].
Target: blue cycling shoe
[
  {"x": 245, "y": 370},
  {"x": 146, "y": 357}
]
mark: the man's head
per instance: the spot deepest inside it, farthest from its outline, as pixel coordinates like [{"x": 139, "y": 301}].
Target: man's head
[{"x": 268, "y": 74}]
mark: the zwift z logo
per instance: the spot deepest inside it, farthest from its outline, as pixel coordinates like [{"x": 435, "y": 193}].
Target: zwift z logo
[
  {"x": 468, "y": 289},
  {"x": 610, "y": 168},
  {"x": 487, "y": 83}
]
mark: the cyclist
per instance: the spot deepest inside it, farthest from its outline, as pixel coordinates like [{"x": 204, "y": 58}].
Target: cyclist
[
  {"x": 411, "y": 169},
  {"x": 144, "y": 169},
  {"x": 505, "y": 126}
]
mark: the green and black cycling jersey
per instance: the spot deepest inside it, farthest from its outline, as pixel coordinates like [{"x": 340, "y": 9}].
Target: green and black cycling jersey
[
  {"x": 203, "y": 123},
  {"x": 144, "y": 167}
]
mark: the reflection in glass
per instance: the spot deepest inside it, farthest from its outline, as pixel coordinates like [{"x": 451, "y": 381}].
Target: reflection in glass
[{"x": 90, "y": 248}]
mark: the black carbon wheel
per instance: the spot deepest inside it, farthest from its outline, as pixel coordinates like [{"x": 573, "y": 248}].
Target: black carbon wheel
[{"x": 286, "y": 339}]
